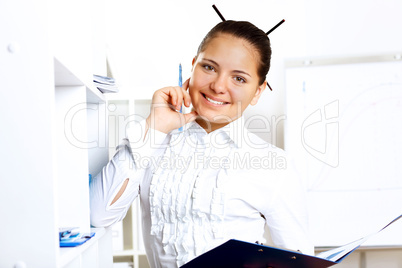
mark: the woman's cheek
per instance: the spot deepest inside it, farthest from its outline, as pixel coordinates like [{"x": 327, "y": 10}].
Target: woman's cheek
[
  {"x": 236, "y": 97},
  {"x": 193, "y": 97}
]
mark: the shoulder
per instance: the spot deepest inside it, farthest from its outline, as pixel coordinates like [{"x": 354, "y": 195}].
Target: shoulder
[
  {"x": 254, "y": 144},
  {"x": 257, "y": 155}
]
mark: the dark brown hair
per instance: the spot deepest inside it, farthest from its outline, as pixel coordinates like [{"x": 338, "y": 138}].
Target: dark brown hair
[{"x": 248, "y": 32}]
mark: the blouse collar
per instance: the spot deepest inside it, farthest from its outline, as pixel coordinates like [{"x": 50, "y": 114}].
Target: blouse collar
[{"x": 231, "y": 133}]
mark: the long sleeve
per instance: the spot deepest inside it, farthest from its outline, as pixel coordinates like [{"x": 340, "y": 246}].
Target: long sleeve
[
  {"x": 288, "y": 220},
  {"x": 107, "y": 183},
  {"x": 123, "y": 166}
]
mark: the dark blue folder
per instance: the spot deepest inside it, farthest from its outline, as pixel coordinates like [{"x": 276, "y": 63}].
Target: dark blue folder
[{"x": 235, "y": 253}]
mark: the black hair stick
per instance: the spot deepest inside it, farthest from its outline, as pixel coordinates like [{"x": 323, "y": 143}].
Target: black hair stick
[
  {"x": 219, "y": 14},
  {"x": 269, "y": 86},
  {"x": 276, "y": 26}
]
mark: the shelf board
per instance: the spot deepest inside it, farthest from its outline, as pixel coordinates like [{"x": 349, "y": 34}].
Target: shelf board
[
  {"x": 63, "y": 76},
  {"x": 94, "y": 95},
  {"x": 128, "y": 252},
  {"x": 70, "y": 253}
]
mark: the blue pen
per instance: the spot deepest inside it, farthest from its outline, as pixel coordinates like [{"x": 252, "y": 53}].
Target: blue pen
[{"x": 180, "y": 85}]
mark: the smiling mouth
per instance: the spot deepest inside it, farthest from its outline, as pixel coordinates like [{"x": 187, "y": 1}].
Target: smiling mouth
[{"x": 214, "y": 101}]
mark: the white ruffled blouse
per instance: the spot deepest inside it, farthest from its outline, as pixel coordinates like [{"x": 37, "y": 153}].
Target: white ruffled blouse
[{"x": 198, "y": 190}]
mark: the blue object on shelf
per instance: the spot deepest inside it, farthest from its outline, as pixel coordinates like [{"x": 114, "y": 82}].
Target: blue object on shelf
[
  {"x": 71, "y": 237},
  {"x": 75, "y": 239}
]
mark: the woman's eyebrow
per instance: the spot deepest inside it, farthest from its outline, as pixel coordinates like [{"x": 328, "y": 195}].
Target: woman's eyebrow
[
  {"x": 241, "y": 72},
  {"x": 216, "y": 64},
  {"x": 211, "y": 61}
]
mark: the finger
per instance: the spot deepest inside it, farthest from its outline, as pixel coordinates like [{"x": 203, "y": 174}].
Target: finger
[
  {"x": 179, "y": 93},
  {"x": 186, "y": 84},
  {"x": 172, "y": 94},
  {"x": 187, "y": 118},
  {"x": 190, "y": 117},
  {"x": 187, "y": 98}
]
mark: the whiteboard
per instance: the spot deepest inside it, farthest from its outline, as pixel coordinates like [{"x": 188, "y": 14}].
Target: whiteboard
[{"x": 344, "y": 131}]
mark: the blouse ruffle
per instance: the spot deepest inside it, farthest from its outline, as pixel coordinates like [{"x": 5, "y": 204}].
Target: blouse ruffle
[{"x": 180, "y": 213}]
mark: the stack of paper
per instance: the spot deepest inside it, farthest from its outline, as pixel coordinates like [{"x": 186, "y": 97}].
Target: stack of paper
[{"x": 105, "y": 84}]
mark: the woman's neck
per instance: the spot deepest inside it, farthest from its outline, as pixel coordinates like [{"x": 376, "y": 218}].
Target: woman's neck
[{"x": 209, "y": 126}]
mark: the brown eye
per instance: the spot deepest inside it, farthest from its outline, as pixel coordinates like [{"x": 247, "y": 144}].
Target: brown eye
[
  {"x": 208, "y": 67},
  {"x": 240, "y": 79}
]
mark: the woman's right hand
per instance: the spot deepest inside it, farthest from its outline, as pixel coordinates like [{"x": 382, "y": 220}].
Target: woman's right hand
[{"x": 166, "y": 104}]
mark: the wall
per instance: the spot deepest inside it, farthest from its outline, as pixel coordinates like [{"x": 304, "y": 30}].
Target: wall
[
  {"x": 150, "y": 39},
  {"x": 354, "y": 28}
]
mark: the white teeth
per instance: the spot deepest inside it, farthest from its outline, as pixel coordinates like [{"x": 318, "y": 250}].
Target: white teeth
[{"x": 214, "y": 102}]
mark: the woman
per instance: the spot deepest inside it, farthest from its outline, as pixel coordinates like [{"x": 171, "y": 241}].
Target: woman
[{"x": 213, "y": 180}]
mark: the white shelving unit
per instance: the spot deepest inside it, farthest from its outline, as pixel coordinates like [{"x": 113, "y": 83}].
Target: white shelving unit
[
  {"x": 90, "y": 254},
  {"x": 53, "y": 132}
]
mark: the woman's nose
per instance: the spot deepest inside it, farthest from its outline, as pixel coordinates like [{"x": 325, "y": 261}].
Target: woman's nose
[{"x": 219, "y": 84}]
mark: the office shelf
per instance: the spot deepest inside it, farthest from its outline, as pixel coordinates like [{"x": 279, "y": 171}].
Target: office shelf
[
  {"x": 53, "y": 132},
  {"x": 91, "y": 252}
]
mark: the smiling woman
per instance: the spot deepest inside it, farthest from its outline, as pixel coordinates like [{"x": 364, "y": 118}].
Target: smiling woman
[
  {"x": 228, "y": 75},
  {"x": 209, "y": 182},
  {"x": 224, "y": 81}
]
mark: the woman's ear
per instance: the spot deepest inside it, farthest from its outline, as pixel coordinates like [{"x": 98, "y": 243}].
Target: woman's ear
[
  {"x": 193, "y": 62},
  {"x": 258, "y": 93}
]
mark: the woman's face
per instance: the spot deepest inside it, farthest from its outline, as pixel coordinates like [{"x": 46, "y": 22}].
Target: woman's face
[{"x": 224, "y": 81}]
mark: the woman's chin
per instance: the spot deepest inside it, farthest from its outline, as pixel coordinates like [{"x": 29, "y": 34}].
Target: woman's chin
[{"x": 211, "y": 124}]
